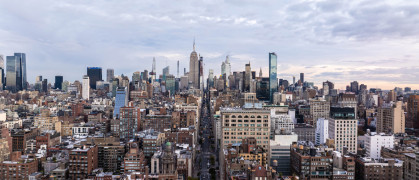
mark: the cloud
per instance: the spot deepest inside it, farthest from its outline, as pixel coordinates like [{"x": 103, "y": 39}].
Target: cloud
[{"x": 340, "y": 40}]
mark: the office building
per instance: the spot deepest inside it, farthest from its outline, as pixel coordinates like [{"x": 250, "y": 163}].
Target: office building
[
  {"x": 238, "y": 124},
  {"x": 280, "y": 154},
  {"x": 262, "y": 89},
  {"x": 247, "y": 78},
  {"x": 354, "y": 87},
  {"x": 110, "y": 75},
  {"x": 58, "y": 82},
  {"x": 95, "y": 74},
  {"x": 322, "y": 131},
  {"x": 45, "y": 85},
  {"x": 302, "y": 78},
  {"x": 391, "y": 118},
  {"x": 273, "y": 82},
  {"x": 134, "y": 160},
  {"x": 129, "y": 118},
  {"x": 194, "y": 69},
  {"x": 85, "y": 88},
  {"x": 83, "y": 160},
  {"x": 121, "y": 100},
  {"x": 319, "y": 108},
  {"x": 308, "y": 163},
  {"x": 374, "y": 142},
  {"x": 412, "y": 112},
  {"x": 226, "y": 70},
  {"x": 16, "y": 72},
  {"x": 345, "y": 133}
]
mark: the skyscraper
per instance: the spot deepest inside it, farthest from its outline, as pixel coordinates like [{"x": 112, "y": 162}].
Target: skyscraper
[
  {"x": 247, "y": 77},
  {"x": 226, "y": 70},
  {"x": 354, "y": 87},
  {"x": 95, "y": 74},
  {"x": 194, "y": 68},
  {"x": 85, "y": 87},
  {"x": 166, "y": 71},
  {"x": 153, "y": 71},
  {"x": 16, "y": 72},
  {"x": 58, "y": 82},
  {"x": 109, "y": 75},
  {"x": 273, "y": 82},
  {"x": 121, "y": 100},
  {"x": 302, "y": 78},
  {"x": 2, "y": 79},
  {"x": 45, "y": 85}
]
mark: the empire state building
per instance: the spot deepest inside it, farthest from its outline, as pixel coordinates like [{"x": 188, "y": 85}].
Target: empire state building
[{"x": 194, "y": 69}]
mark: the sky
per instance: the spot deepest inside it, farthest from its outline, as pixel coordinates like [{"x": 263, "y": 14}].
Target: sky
[{"x": 373, "y": 42}]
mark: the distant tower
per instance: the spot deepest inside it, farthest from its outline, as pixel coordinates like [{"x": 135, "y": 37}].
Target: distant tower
[
  {"x": 95, "y": 75},
  {"x": 109, "y": 75},
  {"x": 194, "y": 68},
  {"x": 260, "y": 73},
  {"x": 178, "y": 69},
  {"x": 293, "y": 80},
  {"x": 85, "y": 87},
  {"x": 302, "y": 78},
  {"x": 273, "y": 81},
  {"x": 153, "y": 71}
]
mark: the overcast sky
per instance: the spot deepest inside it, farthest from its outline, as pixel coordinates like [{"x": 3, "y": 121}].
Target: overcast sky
[{"x": 373, "y": 42}]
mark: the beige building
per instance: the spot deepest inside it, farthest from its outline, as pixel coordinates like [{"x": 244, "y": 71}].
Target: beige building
[
  {"x": 344, "y": 132},
  {"x": 45, "y": 121},
  {"x": 391, "y": 118},
  {"x": 238, "y": 124},
  {"x": 319, "y": 108}
]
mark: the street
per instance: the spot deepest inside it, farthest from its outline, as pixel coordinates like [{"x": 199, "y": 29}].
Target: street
[{"x": 206, "y": 149}]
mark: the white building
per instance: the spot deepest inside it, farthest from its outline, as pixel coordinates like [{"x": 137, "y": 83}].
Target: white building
[
  {"x": 344, "y": 132},
  {"x": 374, "y": 142},
  {"x": 322, "y": 131},
  {"x": 86, "y": 88},
  {"x": 280, "y": 153},
  {"x": 281, "y": 124}
]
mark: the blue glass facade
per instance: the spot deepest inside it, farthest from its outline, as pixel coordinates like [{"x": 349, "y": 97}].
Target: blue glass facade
[
  {"x": 16, "y": 72},
  {"x": 273, "y": 82},
  {"x": 121, "y": 100}
]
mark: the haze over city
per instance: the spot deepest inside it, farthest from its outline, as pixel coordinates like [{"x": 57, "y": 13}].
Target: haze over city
[{"x": 373, "y": 42}]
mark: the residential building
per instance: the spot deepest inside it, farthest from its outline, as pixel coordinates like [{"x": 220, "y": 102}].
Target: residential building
[{"x": 391, "y": 118}]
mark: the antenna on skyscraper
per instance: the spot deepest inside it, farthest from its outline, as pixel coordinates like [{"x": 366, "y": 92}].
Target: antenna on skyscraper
[{"x": 193, "y": 43}]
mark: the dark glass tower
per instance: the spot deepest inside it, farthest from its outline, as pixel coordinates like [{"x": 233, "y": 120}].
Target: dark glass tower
[
  {"x": 58, "y": 82},
  {"x": 16, "y": 72},
  {"x": 273, "y": 82},
  {"x": 95, "y": 74}
]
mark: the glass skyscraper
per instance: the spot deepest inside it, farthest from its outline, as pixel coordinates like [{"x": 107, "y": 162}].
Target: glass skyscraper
[
  {"x": 16, "y": 72},
  {"x": 95, "y": 74},
  {"x": 58, "y": 82},
  {"x": 121, "y": 100},
  {"x": 273, "y": 82}
]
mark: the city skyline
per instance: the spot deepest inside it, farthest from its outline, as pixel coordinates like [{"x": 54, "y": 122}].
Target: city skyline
[{"x": 372, "y": 43}]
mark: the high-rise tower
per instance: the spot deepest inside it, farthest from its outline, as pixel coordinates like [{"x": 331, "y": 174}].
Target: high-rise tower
[
  {"x": 194, "y": 68},
  {"x": 109, "y": 75},
  {"x": 95, "y": 74},
  {"x": 273, "y": 82},
  {"x": 85, "y": 87},
  {"x": 16, "y": 72}
]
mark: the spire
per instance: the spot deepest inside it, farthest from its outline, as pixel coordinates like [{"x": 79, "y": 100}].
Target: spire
[
  {"x": 260, "y": 72},
  {"x": 227, "y": 59},
  {"x": 194, "y": 44}
]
